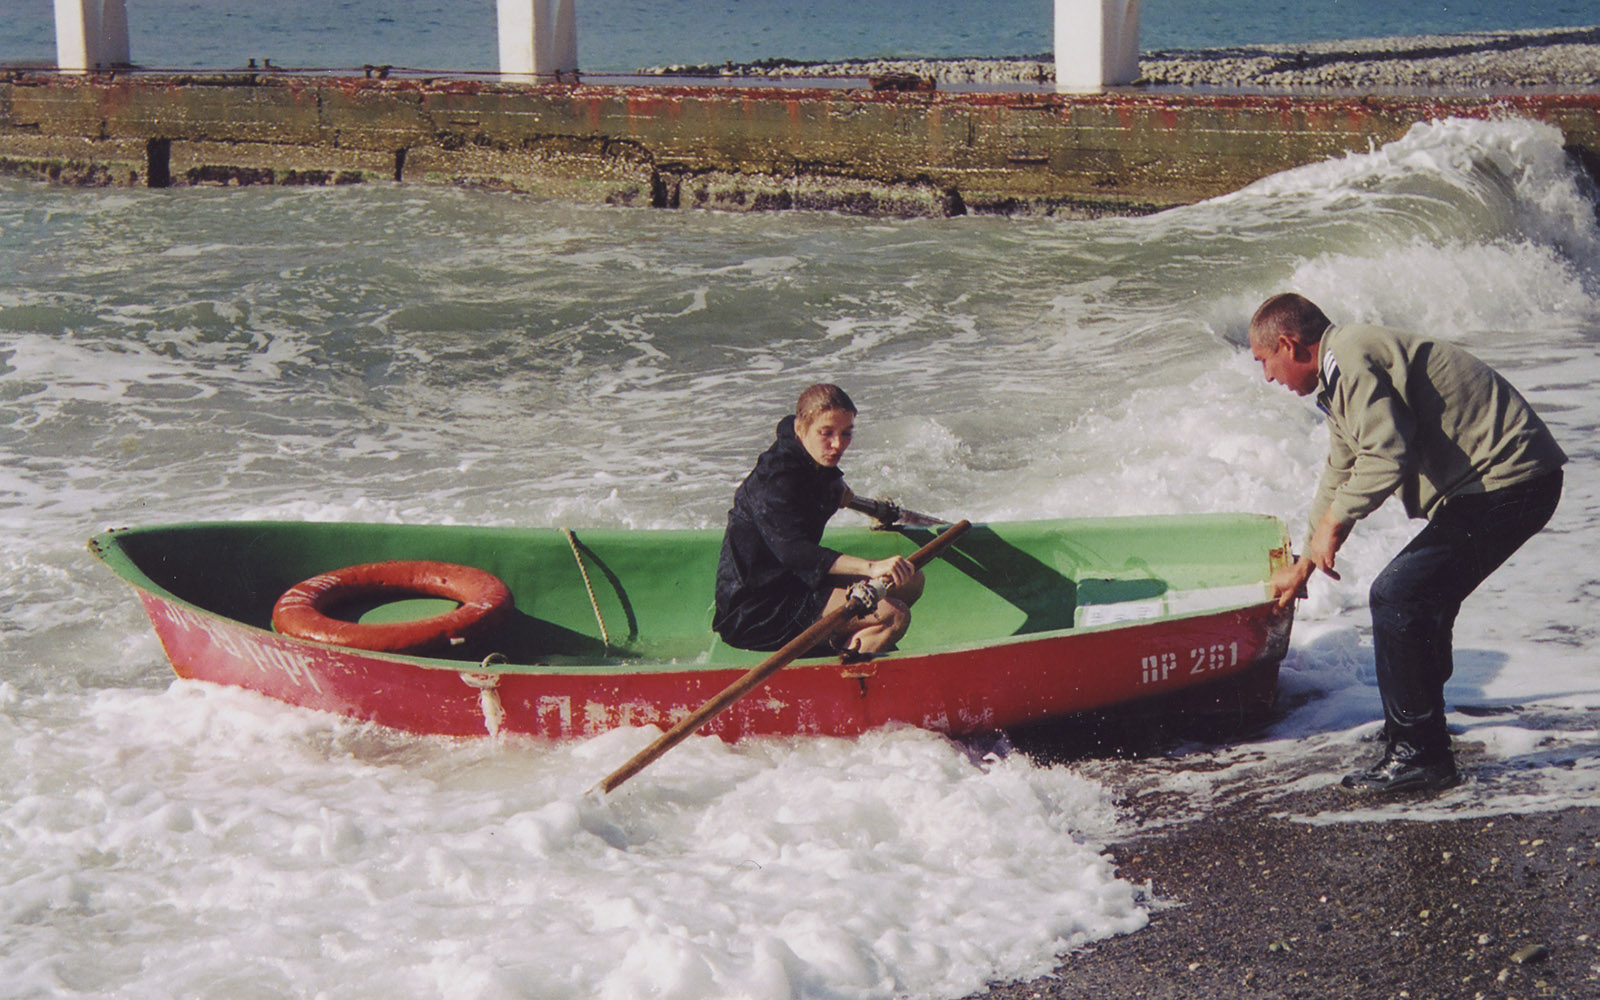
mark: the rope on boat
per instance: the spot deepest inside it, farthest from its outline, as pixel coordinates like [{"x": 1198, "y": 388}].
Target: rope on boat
[
  {"x": 488, "y": 684},
  {"x": 572, "y": 540}
]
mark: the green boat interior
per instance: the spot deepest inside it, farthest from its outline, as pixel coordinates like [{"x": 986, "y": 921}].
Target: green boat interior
[{"x": 606, "y": 597}]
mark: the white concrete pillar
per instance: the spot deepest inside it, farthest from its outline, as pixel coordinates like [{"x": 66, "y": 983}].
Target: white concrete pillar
[
  {"x": 91, "y": 34},
  {"x": 1097, "y": 43},
  {"x": 537, "y": 38}
]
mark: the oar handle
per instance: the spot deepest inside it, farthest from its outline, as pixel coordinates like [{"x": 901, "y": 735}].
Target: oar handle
[{"x": 791, "y": 651}]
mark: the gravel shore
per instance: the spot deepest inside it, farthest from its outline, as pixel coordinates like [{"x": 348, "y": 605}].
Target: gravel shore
[
  {"x": 1562, "y": 57},
  {"x": 1310, "y": 894},
  {"x": 1255, "y": 905},
  {"x": 1549, "y": 57}
]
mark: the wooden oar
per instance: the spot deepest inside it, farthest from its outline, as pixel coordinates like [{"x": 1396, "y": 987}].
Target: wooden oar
[{"x": 798, "y": 646}]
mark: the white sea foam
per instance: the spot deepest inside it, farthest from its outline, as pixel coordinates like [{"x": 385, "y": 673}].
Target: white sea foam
[
  {"x": 268, "y": 843},
  {"x": 464, "y": 357}
]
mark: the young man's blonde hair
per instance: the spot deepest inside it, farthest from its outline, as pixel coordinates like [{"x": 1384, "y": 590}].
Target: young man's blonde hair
[{"x": 819, "y": 399}]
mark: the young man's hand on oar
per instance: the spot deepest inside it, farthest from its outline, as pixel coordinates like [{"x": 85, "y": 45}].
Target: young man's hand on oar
[{"x": 863, "y": 596}]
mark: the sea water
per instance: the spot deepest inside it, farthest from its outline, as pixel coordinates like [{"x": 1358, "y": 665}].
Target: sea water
[
  {"x": 405, "y": 354},
  {"x": 620, "y": 36}
]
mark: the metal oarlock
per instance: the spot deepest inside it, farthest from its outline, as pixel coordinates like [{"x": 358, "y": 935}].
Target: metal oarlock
[
  {"x": 887, "y": 514},
  {"x": 864, "y": 595}
]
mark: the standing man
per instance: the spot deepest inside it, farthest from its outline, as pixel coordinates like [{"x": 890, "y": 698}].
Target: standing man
[{"x": 1429, "y": 421}]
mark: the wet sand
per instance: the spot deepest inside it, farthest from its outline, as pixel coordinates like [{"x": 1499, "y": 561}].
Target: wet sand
[{"x": 1549, "y": 57}]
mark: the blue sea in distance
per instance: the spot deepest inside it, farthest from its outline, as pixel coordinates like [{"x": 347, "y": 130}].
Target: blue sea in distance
[{"x": 618, "y": 36}]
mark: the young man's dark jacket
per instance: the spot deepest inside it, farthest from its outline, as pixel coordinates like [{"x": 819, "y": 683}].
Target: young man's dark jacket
[{"x": 772, "y": 575}]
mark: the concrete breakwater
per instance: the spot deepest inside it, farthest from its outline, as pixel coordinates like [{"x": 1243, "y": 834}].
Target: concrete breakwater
[{"x": 729, "y": 147}]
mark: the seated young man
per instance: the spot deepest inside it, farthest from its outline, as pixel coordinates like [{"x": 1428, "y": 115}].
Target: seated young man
[{"x": 775, "y": 579}]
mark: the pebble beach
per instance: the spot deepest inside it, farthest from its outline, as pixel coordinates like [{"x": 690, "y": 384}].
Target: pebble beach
[
  {"x": 1550, "y": 57},
  {"x": 1261, "y": 902}
]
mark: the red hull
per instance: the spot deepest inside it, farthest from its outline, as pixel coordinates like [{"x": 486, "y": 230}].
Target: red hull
[{"x": 997, "y": 686}]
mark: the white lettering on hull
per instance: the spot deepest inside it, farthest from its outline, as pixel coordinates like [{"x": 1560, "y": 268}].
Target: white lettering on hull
[
  {"x": 1157, "y": 668},
  {"x": 266, "y": 655}
]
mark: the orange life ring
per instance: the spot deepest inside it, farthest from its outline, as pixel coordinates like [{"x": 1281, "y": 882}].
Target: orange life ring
[{"x": 302, "y": 611}]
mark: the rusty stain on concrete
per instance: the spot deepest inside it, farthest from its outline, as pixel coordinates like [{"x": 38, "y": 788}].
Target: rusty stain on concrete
[{"x": 853, "y": 149}]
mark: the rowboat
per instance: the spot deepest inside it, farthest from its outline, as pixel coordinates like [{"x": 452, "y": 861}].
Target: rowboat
[{"x": 1020, "y": 622}]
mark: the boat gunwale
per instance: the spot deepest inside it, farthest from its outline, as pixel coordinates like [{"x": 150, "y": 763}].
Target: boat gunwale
[{"x": 106, "y": 546}]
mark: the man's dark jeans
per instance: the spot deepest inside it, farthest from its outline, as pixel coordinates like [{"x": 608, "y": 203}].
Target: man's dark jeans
[{"x": 1417, "y": 596}]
